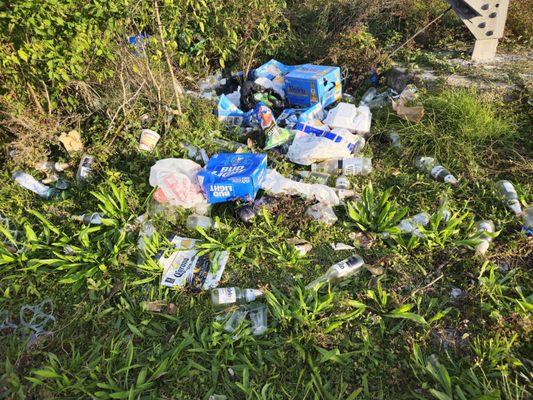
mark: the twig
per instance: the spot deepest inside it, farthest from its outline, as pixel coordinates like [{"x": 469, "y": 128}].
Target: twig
[
  {"x": 427, "y": 286},
  {"x": 122, "y": 106},
  {"x": 49, "y": 103},
  {"x": 35, "y": 99},
  {"x": 177, "y": 88}
]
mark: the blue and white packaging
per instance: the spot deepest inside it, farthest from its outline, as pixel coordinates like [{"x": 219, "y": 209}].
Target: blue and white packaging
[
  {"x": 230, "y": 114},
  {"x": 272, "y": 69},
  {"x": 313, "y": 115},
  {"x": 309, "y": 84},
  {"x": 230, "y": 176}
]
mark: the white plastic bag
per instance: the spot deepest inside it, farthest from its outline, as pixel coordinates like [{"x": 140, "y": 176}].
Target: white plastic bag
[
  {"x": 177, "y": 183},
  {"x": 363, "y": 120},
  {"x": 275, "y": 183},
  {"x": 322, "y": 213},
  {"x": 312, "y": 144}
]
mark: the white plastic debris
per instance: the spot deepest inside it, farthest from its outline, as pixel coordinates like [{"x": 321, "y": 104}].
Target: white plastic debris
[
  {"x": 177, "y": 183},
  {"x": 275, "y": 183},
  {"x": 348, "y": 116},
  {"x": 276, "y": 84},
  {"x": 312, "y": 144},
  {"x": 341, "y": 246}
]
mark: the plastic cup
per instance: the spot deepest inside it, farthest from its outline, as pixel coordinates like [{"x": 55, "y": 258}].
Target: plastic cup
[{"x": 149, "y": 139}]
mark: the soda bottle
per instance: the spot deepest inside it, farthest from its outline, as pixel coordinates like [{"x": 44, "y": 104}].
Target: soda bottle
[
  {"x": 29, "y": 182},
  {"x": 339, "y": 271},
  {"x": 509, "y": 192},
  {"x": 234, "y": 295},
  {"x": 84, "y": 169},
  {"x": 348, "y": 166},
  {"x": 482, "y": 227},
  {"x": 89, "y": 219},
  {"x": 436, "y": 171}
]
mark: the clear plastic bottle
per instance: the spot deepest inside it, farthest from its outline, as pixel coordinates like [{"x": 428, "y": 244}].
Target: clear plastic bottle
[
  {"x": 435, "y": 170},
  {"x": 234, "y": 295},
  {"x": 89, "y": 219},
  {"x": 359, "y": 144},
  {"x": 29, "y": 182},
  {"x": 348, "y": 166},
  {"x": 508, "y": 191},
  {"x": 84, "y": 169},
  {"x": 369, "y": 95},
  {"x": 50, "y": 166},
  {"x": 339, "y": 271},
  {"x": 194, "y": 221},
  {"x": 484, "y": 226}
]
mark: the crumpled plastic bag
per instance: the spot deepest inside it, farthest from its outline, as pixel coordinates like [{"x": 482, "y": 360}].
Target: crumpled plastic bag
[
  {"x": 322, "y": 213},
  {"x": 312, "y": 144},
  {"x": 275, "y": 184},
  {"x": 413, "y": 114},
  {"x": 177, "y": 183}
]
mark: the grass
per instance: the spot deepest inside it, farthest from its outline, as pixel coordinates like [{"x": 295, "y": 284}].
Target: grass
[{"x": 395, "y": 335}]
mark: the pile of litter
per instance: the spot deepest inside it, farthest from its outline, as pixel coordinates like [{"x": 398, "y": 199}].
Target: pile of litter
[{"x": 299, "y": 112}]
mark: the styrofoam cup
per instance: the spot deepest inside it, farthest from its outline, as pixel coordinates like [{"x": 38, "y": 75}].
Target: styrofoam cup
[{"x": 149, "y": 139}]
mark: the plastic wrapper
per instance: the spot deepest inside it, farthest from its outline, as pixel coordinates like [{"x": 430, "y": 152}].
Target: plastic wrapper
[
  {"x": 185, "y": 268},
  {"x": 272, "y": 69},
  {"x": 177, "y": 183},
  {"x": 277, "y": 184},
  {"x": 253, "y": 93},
  {"x": 275, "y": 84},
  {"x": 322, "y": 213},
  {"x": 312, "y": 144},
  {"x": 275, "y": 136}
]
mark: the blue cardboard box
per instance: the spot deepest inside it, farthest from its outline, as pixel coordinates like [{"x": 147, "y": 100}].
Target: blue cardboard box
[
  {"x": 230, "y": 176},
  {"x": 310, "y": 84}
]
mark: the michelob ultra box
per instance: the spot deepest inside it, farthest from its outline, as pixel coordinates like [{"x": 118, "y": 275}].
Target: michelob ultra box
[
  {"x": 230, "y": 176},
  {"x": 310, "y": 84}
]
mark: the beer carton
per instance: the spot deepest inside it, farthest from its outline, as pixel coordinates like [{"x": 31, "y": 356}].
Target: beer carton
[
  {"x": 311, "y": 84},
  {"x": 230, "y": 176}
]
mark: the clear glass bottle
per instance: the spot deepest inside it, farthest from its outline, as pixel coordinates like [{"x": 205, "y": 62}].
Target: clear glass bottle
[
  {"x": 234, "y": 295},
  {"x": 342, "y": 182},
  {"x": 528, "y": 221},
  {"x": 369, "y": 95},
  {"x": 50, "y": 166},
  {"x": 348, "y": 166},
  {"x": 411, "y": 225},
  {"x": 89, "y": 219},
  {"x": 84, "y": 169},
  {"x": 435, "y": 170},
  {"x": 482, "y": 227},
  {"x": 508, "y": 191},
  {"x": 339, "y": 271}
]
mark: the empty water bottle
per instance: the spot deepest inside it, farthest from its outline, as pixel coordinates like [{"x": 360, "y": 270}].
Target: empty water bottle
[
  {"x": 339, "y": 271},
  {"x": 484, "y": 227},
  {"x": 435, "y": 170},
  {"x": 233, "y": 295},
  {"x": 348, "y": 166},
  {"x": 85, "y": 169},
  {"x": 29, "y": 182},
  {"x": 508, "y": 191},
  {"x": 89, "y": 219}
]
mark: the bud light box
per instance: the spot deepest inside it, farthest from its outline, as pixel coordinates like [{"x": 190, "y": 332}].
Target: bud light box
[
  {"x": 229, "y": 176},
  {"x": 311, "y": 84}
]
